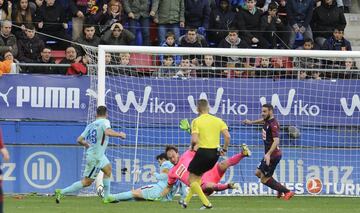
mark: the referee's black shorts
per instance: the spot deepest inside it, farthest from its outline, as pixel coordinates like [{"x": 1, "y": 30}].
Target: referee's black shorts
[{"x": 203, "y": 161}]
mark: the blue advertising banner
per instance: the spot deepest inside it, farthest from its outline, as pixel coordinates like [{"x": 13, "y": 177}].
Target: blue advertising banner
[
  {"x": 42, "y": 169},
  {"x": 165, "y": 101},
  {"x": 43, "y": 97}
]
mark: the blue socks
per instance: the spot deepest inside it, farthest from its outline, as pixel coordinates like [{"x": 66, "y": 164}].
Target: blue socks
[
  {"x": 106, "y": 182},
  {"x": 123, "y": 196},
  {"x": 72, "y": 188}
]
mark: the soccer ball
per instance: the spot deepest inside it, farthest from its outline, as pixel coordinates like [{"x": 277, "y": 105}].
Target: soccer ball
[
  {"x": 100, "y": 190},
  {"x": 294, "y": 132}
]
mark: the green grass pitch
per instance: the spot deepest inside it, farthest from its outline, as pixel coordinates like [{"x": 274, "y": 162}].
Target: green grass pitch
[{"x": 71, "y": 204}]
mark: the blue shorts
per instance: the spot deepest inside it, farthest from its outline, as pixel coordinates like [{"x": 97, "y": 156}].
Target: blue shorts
[
  {"x": 151, "y": 192},
  {"x": 268, "y": 171},
  {"x": 93, "y": 166}
]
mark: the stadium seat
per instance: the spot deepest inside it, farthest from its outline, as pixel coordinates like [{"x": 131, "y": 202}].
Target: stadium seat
[
  {"x": 142, "y": 60},
  {"x": 58, "y": 55}
]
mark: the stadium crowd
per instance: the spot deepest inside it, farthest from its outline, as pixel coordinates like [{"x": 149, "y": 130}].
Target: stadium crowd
[{"x": 31, "y": 30}]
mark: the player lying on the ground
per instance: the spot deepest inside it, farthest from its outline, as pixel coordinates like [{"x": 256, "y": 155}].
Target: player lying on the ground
[
  {"x": 153, "y": 191},
  {"x": 210, "y": 180}
]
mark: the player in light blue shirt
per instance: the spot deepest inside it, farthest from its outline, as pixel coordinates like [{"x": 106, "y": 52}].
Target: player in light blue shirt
[
  {"x": 95, "y": 139},
  {"x": 151, "y": 192}
]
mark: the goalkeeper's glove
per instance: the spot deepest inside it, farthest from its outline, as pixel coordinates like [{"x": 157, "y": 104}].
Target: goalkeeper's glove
[{"x": 184, "y": 125}]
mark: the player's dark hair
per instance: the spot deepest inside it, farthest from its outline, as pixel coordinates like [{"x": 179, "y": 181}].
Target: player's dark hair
[
  {"x": 269, "y": 107},
  {"x": 162, "y": 156},
  {"x": 101, "y": 111},
  {"x": 171, "y": 147}
]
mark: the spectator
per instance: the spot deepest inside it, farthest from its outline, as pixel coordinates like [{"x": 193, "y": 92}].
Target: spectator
[
  {"x": 8, "y": 40},
  {"x": 5, "y": 10},
  {"x": 117, "y": 35},
  {"x": 138, "y": 12},
  {"x": 302, "y": 75},
  {"x": 299, "y": 14},
  {"x": 271, "y": 26},
  {"x": 265, "y": 68},
  {"x": 77, "y": 63},
  {"x": 45, "y": 58},
  {"x": 193, "y": 39},
  {"x": 248, "y": 21},
  {"x": 232, "y": 41},
  {"x": 5, "y": 65},
  {"x": 325, "y": 18},
  {"x": 30, "y": 46},
  {"x": 165, "y": 71},
  {"x": 351, "y": 71},
  {"x": 185, "y": 70},
  {"x": 79, "y": 67},
  {"x": 70, "y": 58},
  {"x": 197, "y": 13},
  {"x": 306, "y": 62},
  {"x": 221, "y": 19},
  {"x": 337, "y": 41},
  {"x": 88, "y": 38},
  {"x": 170, "y": 42},
  {"x": 108, "y": 58},
  {"x": 112, "y": 13},
  {"x": 316, "y": 75},
  {"x": 23, "y": 15},
  {"x": 80, "y": 10},
  {"x": 209, "y": 68},
  {"x": 169, "y": 15},
  {"x": 125, "y": 63},
  {"x": 51, "y": 18},
  {"x": 308, "y": 45}
]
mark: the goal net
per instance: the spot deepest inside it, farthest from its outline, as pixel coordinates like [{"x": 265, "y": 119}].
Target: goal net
[{"x": 148, "y": 90}]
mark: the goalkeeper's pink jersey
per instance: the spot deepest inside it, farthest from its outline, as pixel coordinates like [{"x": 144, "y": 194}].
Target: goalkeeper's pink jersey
[{"x": 180, "y": 171}]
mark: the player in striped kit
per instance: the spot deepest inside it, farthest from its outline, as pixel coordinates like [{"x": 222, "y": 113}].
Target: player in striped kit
[{"x": 273, "y": 154}]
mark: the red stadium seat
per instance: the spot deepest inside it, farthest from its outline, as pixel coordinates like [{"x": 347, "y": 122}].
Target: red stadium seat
[
  {"x": 141, "y": 60},
  {"x": 58, "y": 55}
]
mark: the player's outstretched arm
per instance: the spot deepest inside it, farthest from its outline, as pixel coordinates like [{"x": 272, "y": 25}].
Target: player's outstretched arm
[
  {"x": 259, "y": 121},
  {"x": 112, "y": 133}
]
